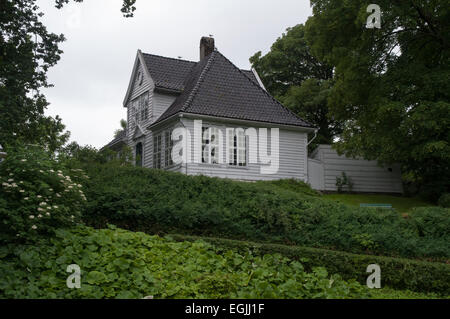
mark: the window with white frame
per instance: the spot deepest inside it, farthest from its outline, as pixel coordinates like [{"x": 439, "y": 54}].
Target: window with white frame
[
  {"x": 141, "y": 107},
  {"x": 210, "y": 145},
  {"x": 157, "y": 151},
  {"x": 237, "y": 148},
  {"x": 168, "y": 146}
]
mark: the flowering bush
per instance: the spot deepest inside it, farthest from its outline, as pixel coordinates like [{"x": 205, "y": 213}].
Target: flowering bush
[{"x": 37, "y": 195}]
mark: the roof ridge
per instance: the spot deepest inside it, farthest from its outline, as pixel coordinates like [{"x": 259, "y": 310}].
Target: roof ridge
[
  {"x": 169, "y": 58},
  {"x": 199, "y": 81},
  {"x": 265, "y": 92}
]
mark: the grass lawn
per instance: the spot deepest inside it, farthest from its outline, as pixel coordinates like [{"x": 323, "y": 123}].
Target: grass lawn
[
  {"x": 389, "y": 293},
  {"x": 401, "y": 204}
]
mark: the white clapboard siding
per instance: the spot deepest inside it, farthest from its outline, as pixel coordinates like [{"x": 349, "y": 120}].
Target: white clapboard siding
[
  {"x": 161, "y": 103},
  {"x": 292, "y": 155},
  {"x": 168, "y": 127},
  {"x": 136, "y": 91},
  {"x": 367, "y": 176},
  {"x": 316, "y": 174}
]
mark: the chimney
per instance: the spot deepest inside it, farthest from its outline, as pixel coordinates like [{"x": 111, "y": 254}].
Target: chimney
[{"x": 206, "y": 47}]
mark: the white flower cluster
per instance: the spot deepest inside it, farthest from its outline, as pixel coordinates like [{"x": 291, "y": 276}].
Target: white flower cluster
[
  {"x": 10, "y": 183},
  {"x": 70, "y": 185},
  {"x": 45, "y": 209}
]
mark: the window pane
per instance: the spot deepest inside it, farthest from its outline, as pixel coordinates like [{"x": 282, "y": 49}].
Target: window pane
[
  {"x": 157, "y": 151},
  {"x": 205, "y": 145}
]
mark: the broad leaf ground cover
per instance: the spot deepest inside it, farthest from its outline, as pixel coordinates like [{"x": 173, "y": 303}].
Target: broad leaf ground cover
[{"x": 123, "y": 264}]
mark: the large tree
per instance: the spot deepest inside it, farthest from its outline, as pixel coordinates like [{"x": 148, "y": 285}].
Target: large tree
[
  {"x": 289, "y": 62},
  {"x": 300, "y": 81},
  {"x": 27, "y": 51},
  {"x": 392, "y": 84}
]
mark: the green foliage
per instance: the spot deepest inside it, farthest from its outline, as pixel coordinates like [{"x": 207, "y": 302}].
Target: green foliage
[
  {"x": 75, "y": 155},
  {"x": 289, "y": 63},
  {"x": 38, "y": 195},
  {"x": 394, "y": 110},
  {"x": 309, "y": 100},
  {"x": 398, "y": 273},
  {"x": 120, "y": 264},
  {"x": 157, "y": 201},
  {"x": 444, "y": 200},
  {"x": 389, "y": 293},
  {"x": 128, "y": 6},
  {"x": 300, "y": 81},
  {"x": 432, "y": 222},
  {"x": 342, "y": 181},
  {"x": 402, "y": 204},
  {"x": 23, "y": 67},
  {"x": 123, "y": 125},
  {"x": 122, "y": 157},
  {"x": 81, "y": 154},
  {"x": 27, "y": 51},
  {"x": 293, "y": 185}
]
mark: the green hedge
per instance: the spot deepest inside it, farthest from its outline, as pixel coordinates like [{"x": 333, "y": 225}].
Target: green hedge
[
  {"x": 285, "y": 212},
  {"x": 398, "y": 273}
]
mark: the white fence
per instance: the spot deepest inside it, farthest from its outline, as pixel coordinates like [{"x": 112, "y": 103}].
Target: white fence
[{"x": 367, "y": 176}]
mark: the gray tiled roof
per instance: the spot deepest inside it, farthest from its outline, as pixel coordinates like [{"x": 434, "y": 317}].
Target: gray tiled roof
[
  {"x": 216, "y": 87},
  {"x": 171, "y": 74},
  {"x": 121, "y": 137},
  {"x": 250, "y": 74},
  {"x": 168, "y": 73}
]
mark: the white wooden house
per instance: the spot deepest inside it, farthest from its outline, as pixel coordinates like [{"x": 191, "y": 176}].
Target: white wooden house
[{"x": 166, "y": 93}]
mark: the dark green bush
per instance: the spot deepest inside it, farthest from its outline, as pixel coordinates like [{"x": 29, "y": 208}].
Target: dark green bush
[
  {"x": 444, "y": 200},
  {"x": 156, "y": 201},
  {"x": 432, "y": 222},
  {"x": 74, "y": 155},
  {"x": 293, "y": 185},
  {"x": 396, "y": 273}
]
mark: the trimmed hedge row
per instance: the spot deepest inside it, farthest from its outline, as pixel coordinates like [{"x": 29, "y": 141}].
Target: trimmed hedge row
[
  {"x": 398, "y": 273},
  {"x": 285, "y": 212}
]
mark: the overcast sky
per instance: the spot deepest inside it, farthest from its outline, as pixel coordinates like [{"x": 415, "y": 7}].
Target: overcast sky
[{"x": 92, "y": 76}]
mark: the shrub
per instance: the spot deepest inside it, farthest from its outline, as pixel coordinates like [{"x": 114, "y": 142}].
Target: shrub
[
  {"x": 396, "y": 273},
  {"x": 444, "y": 200},
  {"x": 156, "y": 201},
  {"x": 342, "y": 181},
  {"x": 74, "y": 155},
  {"x": 433, "y": 223},
  {"x": 294, "y": 185},
  {"x": 38, "y": 195},
  {"x": 389, "y": 293},
  {"x": 120, "y": 264}
]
